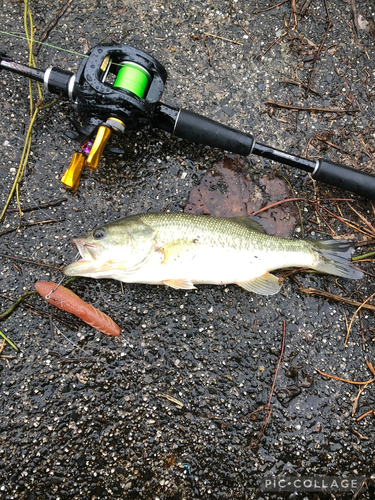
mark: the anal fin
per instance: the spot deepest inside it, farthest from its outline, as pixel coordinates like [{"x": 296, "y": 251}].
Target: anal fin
[
  {"x": 182, "y": 284},
  {"x": 267, "y": 284}
]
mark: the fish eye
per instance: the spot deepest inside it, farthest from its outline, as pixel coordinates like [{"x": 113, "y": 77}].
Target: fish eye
[{"x": 99, "y": 233}]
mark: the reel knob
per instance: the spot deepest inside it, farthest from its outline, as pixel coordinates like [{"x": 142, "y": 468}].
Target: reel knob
[{"x": 91, "y": 153}]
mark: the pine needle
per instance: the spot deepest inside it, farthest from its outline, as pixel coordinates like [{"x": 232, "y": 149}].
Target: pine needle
[{"x": 8, "y": 340}]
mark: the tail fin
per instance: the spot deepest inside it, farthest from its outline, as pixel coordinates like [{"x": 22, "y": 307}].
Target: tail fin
[{"x": 334, "y": 258}]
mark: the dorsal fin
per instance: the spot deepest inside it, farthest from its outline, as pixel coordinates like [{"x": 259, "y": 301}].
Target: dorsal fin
[{"x": 249, "y": 223}]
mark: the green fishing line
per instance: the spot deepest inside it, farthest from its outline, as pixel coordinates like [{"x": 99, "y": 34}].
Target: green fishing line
[
  {"x": 43, "y": 43},
  {"x": 133, "y": 78}
]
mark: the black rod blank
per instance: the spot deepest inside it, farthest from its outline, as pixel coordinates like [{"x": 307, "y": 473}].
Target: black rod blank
[{"x": 20, "y": 69}]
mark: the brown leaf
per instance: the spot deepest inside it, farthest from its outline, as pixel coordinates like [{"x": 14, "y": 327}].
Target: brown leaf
[{"x": 228, "y": 191}]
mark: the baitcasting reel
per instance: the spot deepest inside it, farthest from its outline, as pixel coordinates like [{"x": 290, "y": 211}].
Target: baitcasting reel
[{"x": 118, "y": 87}]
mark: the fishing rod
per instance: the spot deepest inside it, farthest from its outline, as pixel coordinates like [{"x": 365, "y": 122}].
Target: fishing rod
[{"x": 119, "y": 87}]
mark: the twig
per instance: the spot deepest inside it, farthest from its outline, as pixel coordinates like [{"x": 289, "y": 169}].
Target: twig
[
  {"x": 297, "y": 206},
  {"x": 16, "y": 303},
  {"x": 364, "y": 438},
  {"x": 346, "y": 221},
  {"x": 43, "y": 204},
  {"x": 275, "y": 205},
  {"x": 370, "y": 367},
  {"x": 70, "y": 324},
  {"x": 355, "y": 404},
  {"x": 359, "y": 153},
  {"x": 245, "y": 30},
  {"x": 278, "y": 364},
  {"x": 52, "y": 24},
  {"x": 345, "y": 380},
  {"x": 294, "y": 10},
  {"x": 316, "y": 56},
  {"x": 172, "y": 399},
  {"x": 368, "y": 412},
  {"x": 6, "y": 359},
  {"x": 201, "y": 37},
  {"x": 270, "y": 8},
  {"x": 351, "y": 322},
  {"x": 268, "y": 405},
  {"x": 252, "y": 413},
  {"x": 29, "y": 224},
  {"x": 362, "y": 218},
  {"x": 222, "y": 38},
  {"x": 29, "y": 31},
  {"x": 271, "y": 45},
  {"x": 304, "y": 7},
  {"x": 364, "y": 256},
  {"x": 312, "y": 109},
  {"x": 33, "y": 262},
  {"x": 338, "y": 298},
  {"x": 320, "y": 216},
  {"x": 208, "y": 51},
  {"x": 290, "y": 81},
  {"x": 320, "y": 136},
  {"x": 354, "y": 15}
]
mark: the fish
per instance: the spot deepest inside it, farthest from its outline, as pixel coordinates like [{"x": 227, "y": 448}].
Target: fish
[{"x": 182, "y": 250}]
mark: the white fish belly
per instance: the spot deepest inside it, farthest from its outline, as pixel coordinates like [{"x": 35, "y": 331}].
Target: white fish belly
[{"x": 214, "y": 266}]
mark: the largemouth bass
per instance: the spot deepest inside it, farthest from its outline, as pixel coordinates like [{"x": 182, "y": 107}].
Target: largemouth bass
[{"x": 181, "y": 250}]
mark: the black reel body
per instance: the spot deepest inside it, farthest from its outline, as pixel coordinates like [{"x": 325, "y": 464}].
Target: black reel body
[
  {"x": 97, "y": 99},
  {"x": 116, "y": 87}
]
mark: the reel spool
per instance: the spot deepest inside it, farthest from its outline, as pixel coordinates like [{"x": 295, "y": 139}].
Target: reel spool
[{"x": 133, "y": 78}]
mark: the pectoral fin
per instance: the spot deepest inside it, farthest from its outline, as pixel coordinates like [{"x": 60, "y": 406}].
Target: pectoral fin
[
  {"x": 173, "y": 250},
  {"x": 183, "y": 284},
  {"x": 267, "y": 284}
]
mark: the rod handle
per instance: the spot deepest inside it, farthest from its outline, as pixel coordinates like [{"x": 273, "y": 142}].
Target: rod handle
[
  {"x": 201, "y": 130},
  {"x": 344, "y": 177}
]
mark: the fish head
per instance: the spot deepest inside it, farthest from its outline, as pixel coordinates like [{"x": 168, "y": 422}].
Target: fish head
[{"x": 120, "y": 246}]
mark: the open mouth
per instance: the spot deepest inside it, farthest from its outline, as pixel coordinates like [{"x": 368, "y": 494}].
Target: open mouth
[
  {"x": 88, "y": 251},
  {"x": 89, "y": 264}
]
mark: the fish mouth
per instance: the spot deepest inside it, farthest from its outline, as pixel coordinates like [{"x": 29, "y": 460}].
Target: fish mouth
[
  {"x": 87, "y": 265},
  {"x": 88, "y": 251}
]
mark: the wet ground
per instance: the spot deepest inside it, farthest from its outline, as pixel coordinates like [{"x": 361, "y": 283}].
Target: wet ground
[{"x": 165, "y": 411}]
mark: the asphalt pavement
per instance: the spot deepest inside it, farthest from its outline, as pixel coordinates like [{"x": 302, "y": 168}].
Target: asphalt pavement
[{"x": 175, "y": 408}]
